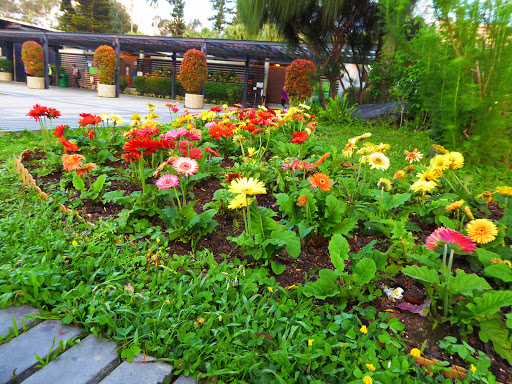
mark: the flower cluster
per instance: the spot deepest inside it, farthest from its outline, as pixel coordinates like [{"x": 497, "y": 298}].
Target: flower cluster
[
  {"x": 298, "y": 79},
  {"x": 193, "y": 71},
  {"x": 105, "y": 61},
  {"x": 33, "y": 58}
]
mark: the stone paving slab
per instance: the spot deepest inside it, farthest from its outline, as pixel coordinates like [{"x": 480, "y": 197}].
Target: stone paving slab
[
  {"x": 16, "y": 100},
  {"x": 18, "y": 313},
  {"x": 18, "y": 355},
  {"x": 185, "y": 380},
  {"x": 138, "y": 372},
  {"x": 85, "y": 363}
]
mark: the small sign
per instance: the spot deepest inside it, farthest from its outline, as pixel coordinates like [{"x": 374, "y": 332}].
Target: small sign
[{"x": 259, "y": 85}]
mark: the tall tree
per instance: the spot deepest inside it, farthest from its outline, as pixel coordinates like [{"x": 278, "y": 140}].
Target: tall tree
[
  {"x": 120, "y": 18},
  {"x": 67, "y": 19},
  {"x": 177, "y": 25},
  {"x": 222, "y": 9},
  {"x": 93, "y": 16},
  {"x": 323, "y": 26}
]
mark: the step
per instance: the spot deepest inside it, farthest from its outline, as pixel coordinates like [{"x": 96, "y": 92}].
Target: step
[
  {"x": 85, "y": 363},
  {"x": 18, "y": 313},
  {"x": 185, "y": 380},
  {"x": 139, "y": 372},
  {"x": 18, "y": 355}
]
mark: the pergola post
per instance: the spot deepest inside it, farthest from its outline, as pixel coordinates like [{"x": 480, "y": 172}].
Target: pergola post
[
  {"x": 9, "y": 54},
  {"x": 45, "y": 53},
  {"x": 204, "y": 49},
  {"x": 173, "y": 85},
  {"x": 246, "y": 81},
  {"x": 57, "y": 64},
  {"x": 118, "y": 59}
]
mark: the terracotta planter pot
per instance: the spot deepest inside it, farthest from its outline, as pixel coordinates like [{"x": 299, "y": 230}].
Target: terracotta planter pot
[
  {"x": 35, "y": 82},
  {"x": 5, "y": 76},
  {"x": 106, "y": 90},
  {"x": 194, "y": 101}
]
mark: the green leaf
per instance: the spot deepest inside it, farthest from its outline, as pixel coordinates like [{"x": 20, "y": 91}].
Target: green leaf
[
  {"x": 485, "y": 256},
  {"x": 364, "y": 271},
  {"x": 399, "y": 199},
  {"x": 334, "y": 209},
  {"x": 339, "y": 249},
  {"x": 325, "y": 286},
  {"x": 288, "y": 239},
  {"x": 277, "y": 268},
  {"x": 495, "y": 330},
  {"x": 447, "y": 222},
  {"x": 499, "y": 271},
  {"x": 490, "y": 303},
  {"x": 346, "y": 225},
  {"x": 424, "y": 274},
  {"x": 78, "y": 183},
  {"x": 98, "y": 184},
  {"x": 465, "y": 284}
]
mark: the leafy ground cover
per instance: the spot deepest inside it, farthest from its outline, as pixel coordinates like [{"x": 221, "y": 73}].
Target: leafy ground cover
[{"x": 253, "y": 236}]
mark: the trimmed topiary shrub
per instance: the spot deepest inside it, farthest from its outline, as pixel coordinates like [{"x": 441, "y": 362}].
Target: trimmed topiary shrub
[
  {"x": 298, "y": 83},
  {"x": 193, "y": 71},
  {"x": 33, "y": 58},
  {"x": 105, "y": 62}
]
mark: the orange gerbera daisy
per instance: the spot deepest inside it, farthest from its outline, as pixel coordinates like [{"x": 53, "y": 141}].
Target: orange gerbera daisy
[
  {"x": 322, "y": 159},
  {"x": 85, "y": 169},
  {"x": 302, "y": 200},
  {"x": 321, "y": 181},
  {"x": 72, "y": 162}
]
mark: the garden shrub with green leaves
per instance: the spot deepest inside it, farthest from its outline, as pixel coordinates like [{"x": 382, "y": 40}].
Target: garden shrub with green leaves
[{"x": 288, "y": 189}]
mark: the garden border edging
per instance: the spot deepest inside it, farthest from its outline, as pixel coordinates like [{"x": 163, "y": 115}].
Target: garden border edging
[{"x": 29, "y": 182}]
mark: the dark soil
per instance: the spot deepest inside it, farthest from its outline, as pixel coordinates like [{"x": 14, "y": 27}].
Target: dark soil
[{"x": 313, "y": 257}]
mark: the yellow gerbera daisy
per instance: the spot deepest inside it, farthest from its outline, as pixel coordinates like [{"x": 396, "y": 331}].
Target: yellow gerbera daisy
[
  {"x": 505, "y": 191},
  {"x": 455, "y": 205},
  {"x": 246, "y": 186},
  {"x": 468, "y": 213},
  {"x": 440, "y": 162},
  {"x": 439, "y": 148},
  {"x": 379, "y": 161},
  {"x": 482, "y": 231},
  {"x": 423, "y": 186},
  {"x": 455, "y": 159},
  {"x": 239, "y": 202},
  {"x": 486, "y": 196},
  {"x": 384, "y": 184},
  {"x": 427, "y": 175}
]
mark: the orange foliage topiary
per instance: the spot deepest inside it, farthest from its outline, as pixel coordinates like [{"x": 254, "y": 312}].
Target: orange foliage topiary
[
  {"x": 298, "y": 82},
  {"x": 105, "y": 62},
  {"x": 193, "y": 71},
  {"x": 33, "y": 58}
]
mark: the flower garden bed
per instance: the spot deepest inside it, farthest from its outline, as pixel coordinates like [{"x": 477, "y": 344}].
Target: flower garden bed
[{"x": 256, "y": 187}]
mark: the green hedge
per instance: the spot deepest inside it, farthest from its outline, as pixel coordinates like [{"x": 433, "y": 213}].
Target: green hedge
[{"x": 162, "y": 86}]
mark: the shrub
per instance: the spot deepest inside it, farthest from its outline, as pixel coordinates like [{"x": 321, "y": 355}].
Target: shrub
[
  {"x": 222, "y": 92},
  {"x": 140, "y": 84},
  {"x": 298, "y": 82},
  {"x": 123, "y": 83},
  {"x": 5, "y": 65},
  {"x": 105, "y": 62},
  {"x": 193, "y": 71},
  {"x": 33, "y": 58}
]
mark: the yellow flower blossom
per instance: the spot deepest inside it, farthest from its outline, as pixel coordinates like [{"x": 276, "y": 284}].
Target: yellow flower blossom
[
  {"x": 370, "y": 367},
  {"x": 363, "y": 330},
  {"x": 367, "y": 380},
  {"x": 310, "y": 342},
  {"x": 74, "y": 243},
  {"x": 270, "y": 289},
  {"x": 416, "y": 353}
]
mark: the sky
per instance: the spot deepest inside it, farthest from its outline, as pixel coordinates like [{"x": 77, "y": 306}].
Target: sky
[{"x": 143, "y": 13}]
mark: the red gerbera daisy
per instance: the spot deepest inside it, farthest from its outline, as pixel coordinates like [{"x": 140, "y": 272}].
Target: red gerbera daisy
[
  {"x": 212, "y": 151},
  {"x": 67, "y": 145},
  {"x": 88, "y": 119},
  {"x": 299, "y": 137},
  {"x": 59, "y": 130},
  {"x": 216, "y": 109},
  {"x": 232, "y": 176},
  {"x": 52, "y": 113},
  {"x": 37, "y": 112},
  {"x": 147, "y": 146}
]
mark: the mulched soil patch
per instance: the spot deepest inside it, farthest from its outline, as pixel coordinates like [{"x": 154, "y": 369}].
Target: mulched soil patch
[{"x": 313, "y": 257}]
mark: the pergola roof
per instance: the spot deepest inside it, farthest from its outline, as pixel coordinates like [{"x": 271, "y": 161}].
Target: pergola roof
[{"x": 217, "y": 48}]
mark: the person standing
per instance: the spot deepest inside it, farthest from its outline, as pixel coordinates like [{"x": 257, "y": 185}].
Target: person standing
[
  {"x": 284, "y": 97},
  {"x": 50, "y": 74},
  {"x": 76, "y": 77}
]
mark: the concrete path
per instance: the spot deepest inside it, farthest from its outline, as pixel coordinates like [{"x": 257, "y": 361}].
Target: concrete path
[
  {"x": 91, "y": 361},
  {"x": 16, "y": 100}
]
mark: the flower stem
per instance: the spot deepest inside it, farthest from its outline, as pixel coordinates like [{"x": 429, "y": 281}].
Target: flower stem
[
  {"x": 141, "y": 172},
  {"x": 249, "y": 228},
  {"x": 448, "y": 275}
]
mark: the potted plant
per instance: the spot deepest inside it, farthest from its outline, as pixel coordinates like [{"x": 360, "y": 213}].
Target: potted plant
[
  {"x": 5, "y": 69},
  {"x": 193, "y": 73},
  {"x": 33, "y": 58},
  {"x": 298, "y": 83},
  {"x": 105, "y": 62}
]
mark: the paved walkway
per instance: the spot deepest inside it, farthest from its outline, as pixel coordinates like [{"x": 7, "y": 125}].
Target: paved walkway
[
  {"x": 16, "y": 100},
  {"x": 90, "y": 362}
]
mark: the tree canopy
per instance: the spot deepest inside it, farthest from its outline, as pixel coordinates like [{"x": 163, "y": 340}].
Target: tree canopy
[{"x": 324, "y": 26}]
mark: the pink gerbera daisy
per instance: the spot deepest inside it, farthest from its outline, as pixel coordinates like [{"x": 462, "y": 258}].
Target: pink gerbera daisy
[
  {"x": 454, "y": 239},
  {"x": 174, "y": 134},
  {"x": 185, "y": 166},
  {"x": 168, "y": 181},
  {"x": 194, "y": 153}
]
